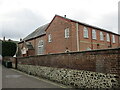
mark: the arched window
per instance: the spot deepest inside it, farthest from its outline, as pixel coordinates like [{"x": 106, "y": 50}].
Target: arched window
[
  {"x": 49, "y": 38},
  {"x": 113, "y": 38},
  {"x": 108, "y": 37},
  {"x": 85, "y": 32},
  {"x": 67, "y": 33},
  {"x": 41, "y": 47},
  {"x": 93, "y": 34},
  {"x": 101, "y": 36}
]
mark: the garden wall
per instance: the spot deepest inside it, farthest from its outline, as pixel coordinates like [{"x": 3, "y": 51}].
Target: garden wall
[
  {"x": 86, "y": 69},
  {"x": 103, "y": 61}
]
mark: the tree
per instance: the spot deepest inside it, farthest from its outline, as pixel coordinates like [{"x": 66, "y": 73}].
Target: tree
[{"x": 8, "y": 48}]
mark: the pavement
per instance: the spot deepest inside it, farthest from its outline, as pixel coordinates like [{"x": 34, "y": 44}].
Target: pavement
[{"x": 12, "y": 78}]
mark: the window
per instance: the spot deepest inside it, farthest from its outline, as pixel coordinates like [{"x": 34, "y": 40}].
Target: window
[
  {"x": 93, "y": 34},
  {"x": 108, "y": 37},
  {"x": 101, "y": 36},
  {"x": 49, "y": 38},
  {"x": 24, "y": 50},
  {"x": 67, "y": 33},
  {"x": 113, "y": 38},
  {"x": 40, "y": 47},
  {"x": 85, "y": 32}
]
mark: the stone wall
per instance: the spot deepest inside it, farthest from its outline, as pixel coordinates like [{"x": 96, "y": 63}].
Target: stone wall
[
  {"x": 74, "y": 78},
  {"x": 103, "y": 61}
]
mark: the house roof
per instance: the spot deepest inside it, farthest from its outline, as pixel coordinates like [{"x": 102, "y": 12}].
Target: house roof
[
  {"x": 38, "y": 32},
  {"x": 95, "y": 27},
  {"x": 42, "y": 30}
]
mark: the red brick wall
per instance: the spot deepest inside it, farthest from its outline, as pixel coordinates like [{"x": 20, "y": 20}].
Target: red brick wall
[
  {"x": 59, "y": 42},
  {"x": 105, "y": 61},
  {"x": 84, "y": 42},
  {"x": 91, "y": 43},
  {"x": 36, "y": 44},
  {"x": 31, "y": 52}
]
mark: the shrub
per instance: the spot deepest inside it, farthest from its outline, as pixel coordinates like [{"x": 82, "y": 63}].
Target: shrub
[{"x": 8, "y": 48}]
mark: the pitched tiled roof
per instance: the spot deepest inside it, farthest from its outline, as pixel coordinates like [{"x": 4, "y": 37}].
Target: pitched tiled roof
[{"x": 38, "y": 32}]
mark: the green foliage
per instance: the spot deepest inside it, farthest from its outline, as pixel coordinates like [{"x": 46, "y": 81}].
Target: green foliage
[{"x": 8, "y": 48}]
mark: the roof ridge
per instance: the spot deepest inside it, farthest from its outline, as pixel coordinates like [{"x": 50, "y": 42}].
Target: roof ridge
[{"x": 96, "y": 27}]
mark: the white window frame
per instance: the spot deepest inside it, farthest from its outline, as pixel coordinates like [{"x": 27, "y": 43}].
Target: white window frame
[
  {"x": 108, "y": 37},
  {"x": 85, "y": 32},
  {"x": 40, "y": 47},
  {"x": 24, "y": 50},
  {"x": 94, "y": 34},
  {"x": 67, "y": 33},
  {"x": 49, "y": 38},
  {"x": 101, "y": 36},
  {"x": 113, "y": 38}
]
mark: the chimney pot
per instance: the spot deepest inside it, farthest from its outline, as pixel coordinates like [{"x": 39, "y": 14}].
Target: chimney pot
[
  {"x": 65, "y": 16},
  {"x": 4, "y": 38},
  {"x": 20, "y": 39}
]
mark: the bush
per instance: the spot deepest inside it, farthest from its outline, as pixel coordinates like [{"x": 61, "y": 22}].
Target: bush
[{"x": 8, "y": 48}]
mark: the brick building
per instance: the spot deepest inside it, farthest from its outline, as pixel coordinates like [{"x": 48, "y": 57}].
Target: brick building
[{"x": 66, "y": 35}]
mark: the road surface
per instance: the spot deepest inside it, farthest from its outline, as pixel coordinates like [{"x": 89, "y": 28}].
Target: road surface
[
  {"x": 12, "y": 78},
  {"x": 0, "y": 76}
]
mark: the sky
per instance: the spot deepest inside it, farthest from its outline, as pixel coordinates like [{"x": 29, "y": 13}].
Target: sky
[{"x": 18, "y": 18}]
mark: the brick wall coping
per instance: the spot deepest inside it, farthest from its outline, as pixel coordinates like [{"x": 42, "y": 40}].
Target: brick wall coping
[{"x": 94, "y": 52}]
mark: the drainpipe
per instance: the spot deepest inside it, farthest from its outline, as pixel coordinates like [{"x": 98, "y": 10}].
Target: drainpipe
[
  {"x": 118, "y": 41},
  {"x": 77, "y": 35},
  {"x": 91, "y": 41},
  {"x": 110, "y": 40}
]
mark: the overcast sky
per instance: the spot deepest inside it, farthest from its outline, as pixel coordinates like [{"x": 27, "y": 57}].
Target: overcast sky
[{"x": 18, "y": 18}]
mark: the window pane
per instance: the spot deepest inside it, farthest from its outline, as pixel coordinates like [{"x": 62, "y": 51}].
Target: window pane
[
  {"x": 40, "y": 47},
  {"x": 49, "y": 38},
  {"x": 113, "y": 38},
  {"x": 108, "y": 37},
  {"x": 93, "y": 34},
  {"x": 101, "y": 36},
  {"x": 67, "y": 33},
  {"x": 85, "y": 32}
]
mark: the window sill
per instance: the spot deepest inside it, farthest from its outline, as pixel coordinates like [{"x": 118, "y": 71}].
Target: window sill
[
  {"x": 102, "y": 40},
  {"x": 94, "y": 39},
  {"x": 86, "y": 38},
  {"x": 66, "y": 38},
  {"x": 113, "y": 43}
]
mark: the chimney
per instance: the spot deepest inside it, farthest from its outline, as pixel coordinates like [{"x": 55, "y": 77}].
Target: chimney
[
  {"x": 20, "y": 39},
  {"x": 65, "y": 16},
  {"x": 4, "y": 38}
]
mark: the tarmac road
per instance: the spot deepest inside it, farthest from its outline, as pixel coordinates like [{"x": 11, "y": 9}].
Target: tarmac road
[
  {"x": 12, "y": 78},
  {"x": 0, "y": 76}
]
